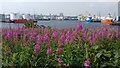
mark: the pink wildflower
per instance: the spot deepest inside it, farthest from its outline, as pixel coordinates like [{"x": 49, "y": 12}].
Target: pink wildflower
[
  {"x": 39, "y": 38},
  {"x": 59, "y": 60},
  {"x": 59, "y": 50},
  {"x": 55, "y": 34},
  {"x": 45, "y": 37},
  {"x": 79, "y": 26},
  {"x": 9, "y": 34},
  {"x": 61, "y": 40},
  {"x": 49, "y": 51},
  {"x": 68, "y": 36},
  {"x": 36, "y": 47},
  {"x": 87, "y": 63}
]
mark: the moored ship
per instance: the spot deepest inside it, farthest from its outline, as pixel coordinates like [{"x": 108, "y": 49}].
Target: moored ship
[
  {"x": 18, "y": 18},
  {"x": 22, "y": 21},
  {"x": 108, "y": 19}
]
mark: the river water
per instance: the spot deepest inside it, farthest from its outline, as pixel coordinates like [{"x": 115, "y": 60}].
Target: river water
[{"x": 60, "y": 24}]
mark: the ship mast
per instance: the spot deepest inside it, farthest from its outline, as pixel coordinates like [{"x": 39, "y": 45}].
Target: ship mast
[{"x": 99, "y": 14}]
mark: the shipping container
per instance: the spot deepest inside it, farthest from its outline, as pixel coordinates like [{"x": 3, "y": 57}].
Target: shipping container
[{"x": 118, "y": 18}]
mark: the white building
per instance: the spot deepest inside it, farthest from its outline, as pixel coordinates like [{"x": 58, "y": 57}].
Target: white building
[{"x": 14, "y": 16}]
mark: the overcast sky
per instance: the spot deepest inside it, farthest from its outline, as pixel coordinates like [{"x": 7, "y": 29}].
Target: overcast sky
[
  {"x": 59, "y": 0},
  {"x": 68, "y": 7}
]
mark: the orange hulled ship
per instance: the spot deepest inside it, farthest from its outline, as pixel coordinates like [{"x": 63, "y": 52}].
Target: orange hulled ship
[{"x": 108, "y": 19}]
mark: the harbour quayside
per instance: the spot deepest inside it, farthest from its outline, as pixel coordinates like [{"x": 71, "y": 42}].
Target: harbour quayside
[{"x": 24, "y": 18}]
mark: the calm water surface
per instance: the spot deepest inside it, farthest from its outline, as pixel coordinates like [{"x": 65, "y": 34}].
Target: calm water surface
[{"x": 60, "y": 24}]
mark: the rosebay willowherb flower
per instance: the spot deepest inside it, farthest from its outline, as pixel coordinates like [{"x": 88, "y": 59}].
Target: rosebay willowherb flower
[
  {"x": 68, "y": 36},
  {"x": 87, "y": 63},
  {"x": 55, "y": 34},
  {"x": 91, "y": 39},
  {"x": 36, "y": 47},
  {"x": 106, "y": 28},
  {"x": 39, "y": 38},
  {"x": 59, "y": 60},
  {"x": 59, "y": 50},
  {"x": 61, "y": 39},
  {"x": 9, "y": 34},
  {"x": 49, "y": 51},
  {"x": 15, "y": 33},
  {"x": 79, "y": 26},
  {"x": 31, "y": 38},
  {"x": 84, "y": 34},
  {"x": 101, "y": 33},
  {"x": 34, "y": 34},
  {"x": 45, "y": 38}
]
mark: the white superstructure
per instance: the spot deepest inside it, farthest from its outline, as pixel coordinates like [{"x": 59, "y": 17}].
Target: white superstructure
[{"x": 27, "y": 16}]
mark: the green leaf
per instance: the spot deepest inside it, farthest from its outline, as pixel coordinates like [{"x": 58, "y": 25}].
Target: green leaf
[
  {"x": 95, "y": 47},
  {"x": 98, "y": 55},
  {"x": 116, "y": 55},
  {"x": 107, "y": 55}
]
